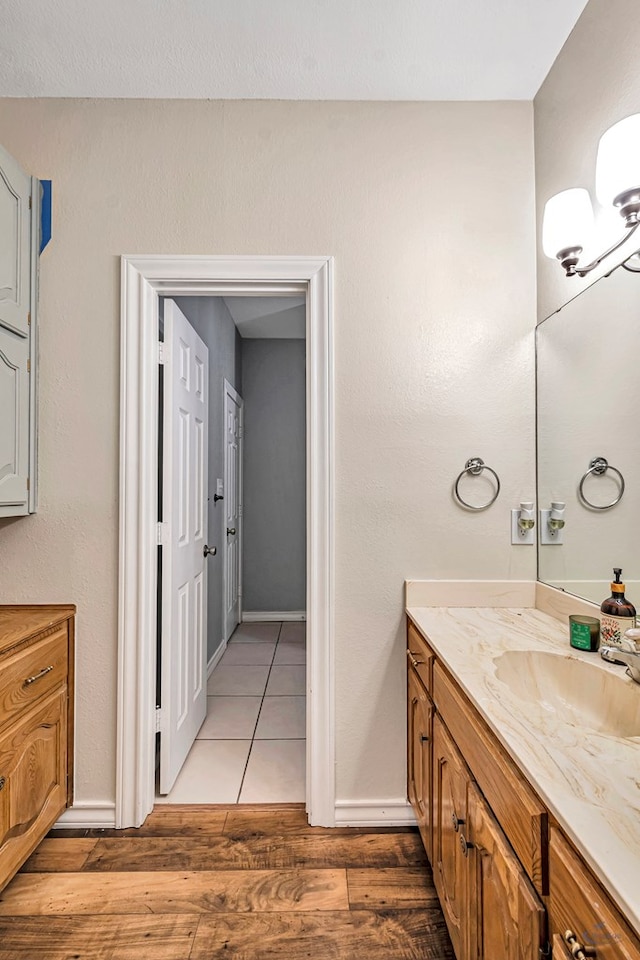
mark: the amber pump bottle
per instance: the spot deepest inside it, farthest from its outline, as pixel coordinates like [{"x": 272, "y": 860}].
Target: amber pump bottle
[{"x": 618, "y": 614}]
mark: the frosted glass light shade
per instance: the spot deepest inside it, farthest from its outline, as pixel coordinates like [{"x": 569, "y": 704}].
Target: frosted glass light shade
[
  {"x": 567, "y": 221},
  {"x": 618, "y": 161}
]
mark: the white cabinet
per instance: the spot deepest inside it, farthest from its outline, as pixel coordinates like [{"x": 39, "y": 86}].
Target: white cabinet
[{"x": 19, "y": 240}]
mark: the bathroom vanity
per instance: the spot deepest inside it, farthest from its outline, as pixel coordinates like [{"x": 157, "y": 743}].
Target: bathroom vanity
[
  {"x": 36, "y": 726},
  {"x": 524, "y": 775}
]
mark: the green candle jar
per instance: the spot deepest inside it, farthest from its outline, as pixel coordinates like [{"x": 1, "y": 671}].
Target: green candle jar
[{"x": 584, "y": 632}]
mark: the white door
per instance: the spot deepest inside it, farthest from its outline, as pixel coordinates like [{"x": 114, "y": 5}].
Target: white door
[
  {"x": 233, "y": 410},
  {"x": 15, "y": 300},
  {"x": 184, "y": 511}
]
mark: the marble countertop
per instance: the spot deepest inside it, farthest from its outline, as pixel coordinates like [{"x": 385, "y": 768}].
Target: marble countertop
[{"x": 589, "y": 780}]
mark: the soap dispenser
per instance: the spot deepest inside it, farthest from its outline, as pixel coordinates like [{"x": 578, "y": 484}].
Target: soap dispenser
[{"x": 618, "y": 614}]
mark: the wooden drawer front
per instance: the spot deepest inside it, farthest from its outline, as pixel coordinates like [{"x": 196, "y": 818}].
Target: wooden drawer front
[
  {"x": 577, "y": 903},
  {"x": 33, "y": 766},
  {"x": 517, "y": 809},
  {"x": 420, "y": 656},
  {"x": 34, "y": 661}
]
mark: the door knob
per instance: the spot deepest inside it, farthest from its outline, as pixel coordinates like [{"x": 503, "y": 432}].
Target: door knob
[
  {"x": 209, "y": 551},
  {"x": 231, "y": 531}
]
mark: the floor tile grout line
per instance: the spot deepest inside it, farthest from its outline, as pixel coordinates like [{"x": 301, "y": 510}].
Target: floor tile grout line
[{"x": 253, "y": 738}]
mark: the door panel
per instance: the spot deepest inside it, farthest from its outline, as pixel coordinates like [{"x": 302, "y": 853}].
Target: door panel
[
  {"x": 184, "y": 595},
  {"x": 506, "y": 918},
  {"x": 420, "y": 714},
  {"x": 14, "y": 424},
  {"x": 15, "y": 249},
  {"x": 450, "y": 817}
]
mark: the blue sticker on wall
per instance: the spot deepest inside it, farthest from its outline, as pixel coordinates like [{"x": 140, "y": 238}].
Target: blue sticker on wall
[{"x": 45, "y": 214}]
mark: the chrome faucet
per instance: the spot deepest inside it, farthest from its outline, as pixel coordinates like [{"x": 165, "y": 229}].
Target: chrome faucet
[{"x": 627, "y": 655}]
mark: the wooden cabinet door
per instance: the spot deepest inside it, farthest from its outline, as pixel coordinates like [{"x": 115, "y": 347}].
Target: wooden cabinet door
[
  {"x": 33, "y": 780},
  {"x": 419, "y": 735},
  {"x": 506, "y": 918},
  {"x": 450, "y": 780}
]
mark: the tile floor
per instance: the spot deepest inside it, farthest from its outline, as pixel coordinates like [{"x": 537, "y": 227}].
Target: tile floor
[{"x": 251, "y": 747}]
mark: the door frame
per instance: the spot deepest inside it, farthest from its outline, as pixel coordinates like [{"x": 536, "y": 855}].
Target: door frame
[
  {"x": 228, "y": 390},
  {"x": 144, "y": 279}
]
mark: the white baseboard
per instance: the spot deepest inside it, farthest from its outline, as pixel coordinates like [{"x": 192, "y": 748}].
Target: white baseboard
[
  {"x": 253, "y": 616},
  {"x": 216, "y": 658},
  {"x": 86, "y": 815},
  {"x": 360, "y": 813}
]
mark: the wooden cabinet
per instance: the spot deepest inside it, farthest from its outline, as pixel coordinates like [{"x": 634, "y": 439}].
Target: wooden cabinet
[
  {"x": 36, "y": 727},
  {"x": 581, "y": 914},
  {"x": 19, "y": 238},
  {"x": 450, "y": 874},
  {"x": 511, "y": 886}
]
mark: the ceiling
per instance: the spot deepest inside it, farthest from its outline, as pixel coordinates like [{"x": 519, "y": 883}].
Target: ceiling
[
  {"x": 282, "y": 49},
  {"x": 274, "y": 318}
]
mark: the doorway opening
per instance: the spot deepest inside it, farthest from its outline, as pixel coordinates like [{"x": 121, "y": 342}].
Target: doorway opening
[
  {"x": 144, "y": 281},
  {"x": 249, "y": 745}
]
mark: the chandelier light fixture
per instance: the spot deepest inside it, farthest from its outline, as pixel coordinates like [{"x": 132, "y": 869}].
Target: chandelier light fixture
[{"x": 568, "y": 224}]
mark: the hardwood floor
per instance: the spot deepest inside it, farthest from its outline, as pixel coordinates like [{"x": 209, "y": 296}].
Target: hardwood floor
[{"x": 211, "y": 882}]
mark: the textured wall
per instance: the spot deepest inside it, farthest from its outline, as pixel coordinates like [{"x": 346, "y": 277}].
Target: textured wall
[
  {"x": 428, "y": 209},
  {"x": 274, "y": 539},
  {"x": 213, "y": 322}
]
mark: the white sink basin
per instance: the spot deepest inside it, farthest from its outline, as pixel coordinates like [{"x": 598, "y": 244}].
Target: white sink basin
[{"x": 576, "y": 691}]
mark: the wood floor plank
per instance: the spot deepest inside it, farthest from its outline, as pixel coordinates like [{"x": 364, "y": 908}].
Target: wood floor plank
[
  {"x": 401, "y": 935},
  {"x": 244, "y": 821},
  {"x": 257, "y": 853},
  {"x": 398, "y": 888},
  {"x": 175, "y": 892},
  {"x": 97, "y": 938},
  {"x": 168, "y": 820},
  {"x": 60, "y": 854}
]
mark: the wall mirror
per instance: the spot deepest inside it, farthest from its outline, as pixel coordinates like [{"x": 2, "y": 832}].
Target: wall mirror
[{"x": 588, "y": 404}]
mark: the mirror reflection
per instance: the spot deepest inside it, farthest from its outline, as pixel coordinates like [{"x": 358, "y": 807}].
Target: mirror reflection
[{"x": 588, "y": 398}]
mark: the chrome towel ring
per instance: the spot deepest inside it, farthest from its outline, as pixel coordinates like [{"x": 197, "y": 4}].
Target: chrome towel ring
[
  {"x": 474, "y": 467},
  {"x": 598, "y": 467}
]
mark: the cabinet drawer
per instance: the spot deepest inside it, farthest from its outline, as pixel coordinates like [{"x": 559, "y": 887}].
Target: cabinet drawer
[
  {"x": 31, "y": 673},
  {"x": 33, "y": 780},
  {"x": 420, "y": 656},
  {"x": 577, "y": 904},
  {"x": 517, "y": 809}
]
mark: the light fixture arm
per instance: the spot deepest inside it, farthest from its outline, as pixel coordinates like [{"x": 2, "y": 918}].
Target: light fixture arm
[{"x": 572, "y": 269}]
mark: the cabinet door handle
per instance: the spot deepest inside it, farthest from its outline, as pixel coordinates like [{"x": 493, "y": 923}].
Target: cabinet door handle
[
  {"x": 578, "y": 950},
  {"x": 414, "y": 662},
  {"x": 465, "y": 845},
  {"x": 2, "y": 782},
  {"x": 37, "y": 676},
  {"x": 424, "y": 738},
  {"x": 457, "y": 823}
]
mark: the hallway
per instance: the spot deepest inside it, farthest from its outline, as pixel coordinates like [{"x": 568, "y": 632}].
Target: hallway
[{"x": 251, "y": 747}]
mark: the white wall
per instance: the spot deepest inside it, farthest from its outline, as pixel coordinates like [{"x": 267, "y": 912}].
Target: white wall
[{"x": 428, "y": 209}]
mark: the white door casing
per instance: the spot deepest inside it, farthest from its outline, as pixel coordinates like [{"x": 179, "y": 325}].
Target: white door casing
[
  {"x": 233, "y": 407},
  {"x": 15, "y": 245},
  {"x": 184, "y": 517},
  {"x": 144, "y": 280}
]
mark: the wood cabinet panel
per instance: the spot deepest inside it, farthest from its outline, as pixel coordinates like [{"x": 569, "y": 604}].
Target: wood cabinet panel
[
  {"x": 420, "y": 737},
  {"x": 506, "y": 918},
  {"x": 33, "y": 774},
  {"x": 518, "y": 810},
  {"x": 421, "y": 657},
  {"x": 31, "y": 673},
  {"x": 450, "y": 779},
  {"x": 578, "y": 904}
]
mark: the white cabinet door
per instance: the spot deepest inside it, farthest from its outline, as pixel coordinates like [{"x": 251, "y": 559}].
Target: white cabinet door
[
  {"x": 14, "y": 424},
  {"x": 17, "y": 340},
  {"x": 15, "y": 246}
]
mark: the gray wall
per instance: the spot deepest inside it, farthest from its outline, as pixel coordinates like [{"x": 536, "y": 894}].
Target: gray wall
[
  {"x": 274, "y": 539},
  {"x": 212, "y": 321}
]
